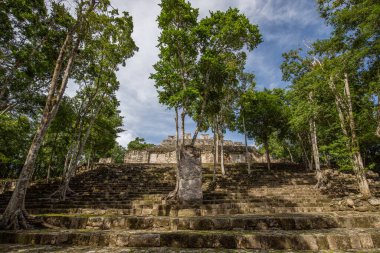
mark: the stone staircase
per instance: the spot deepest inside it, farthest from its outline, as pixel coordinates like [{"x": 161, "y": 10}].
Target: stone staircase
[{"x": 124, "y": 206}]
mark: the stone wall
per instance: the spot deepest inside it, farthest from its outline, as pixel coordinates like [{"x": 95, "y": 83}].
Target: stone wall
[
  {"x": 234, "y": 152},
  {"x": 136, "y": 156},
  {"x": 169, "y": 157},
  {"x": 106, "y": 160}
]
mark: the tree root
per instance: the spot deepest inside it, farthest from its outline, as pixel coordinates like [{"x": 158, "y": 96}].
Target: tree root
[
  {"x": 20, "y": 219},
  {"x": 321, "y": 180},
  {"x": 173, "y": 195},
  {"x": 62, "y": 192}
]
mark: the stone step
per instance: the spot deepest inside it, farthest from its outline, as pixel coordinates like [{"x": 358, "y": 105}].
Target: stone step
[
  {"x": 330, "y": 239},
  {"x": 138, "y": 203},
  {"x": 17, "y": 248},
  {"x": 233, "y": 222},
  {"x": 162, "y": 210},
  {"x": 224, "y": 203}
]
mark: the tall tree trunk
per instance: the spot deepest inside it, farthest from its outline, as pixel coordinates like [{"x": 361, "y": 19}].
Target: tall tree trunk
[
  {"x": 183, "y": 116},
  {"x": 222, "y": 152},
  {"x": 357, "y": 158},
  {"x": 247, "y": 156},
  {"x": 290, "y": 154},
  {"x": 51, "y": 158},
  {"x": 200, "y": 121},
  {"x": 266, "y": 146},
  {"x": 314, "y": 146},
  {"x": 15, "y": 215},
  {"x": 217, "y": 140},
  {"x": 308, "y": 163},
  {"x": 88, "y": 161},
  {"x": 173, "y": 194},
  {"x": 215, "y": 154},
  {"x": 378, "y": 118},
  {"x": 345, "y": 113}
]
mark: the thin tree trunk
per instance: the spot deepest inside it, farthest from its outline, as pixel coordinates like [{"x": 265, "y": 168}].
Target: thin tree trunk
[
  {"x": 8, "y": 108},
  {"x": 314, "y": 146},
  {"x": 222, "y": 152},
  {"x": 266, "y": 146},
  {"x": 199, "y": 123},
  {"x": 51, "y": 158},
  {"x": 290, "y": 154},
  {"x": 215, "y": 154},
  {"x": 304, "y": 154},
  {"x": 247, "y": 156},
  {"x": 378, "y": 117},
  {"x": 183, "y": 116},
  {"x": 217, "y": 140},
  {"x": 88, "y": 161},
  {"x": 173, "y": 194}
]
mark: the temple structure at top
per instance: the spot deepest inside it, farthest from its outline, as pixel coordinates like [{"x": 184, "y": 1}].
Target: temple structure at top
[{"x": 234, "y": 152}]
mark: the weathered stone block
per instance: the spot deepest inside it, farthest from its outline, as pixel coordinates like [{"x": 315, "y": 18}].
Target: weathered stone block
[
  {"x": 190, "y": 177},
  {"x": 144, "y": 240}
]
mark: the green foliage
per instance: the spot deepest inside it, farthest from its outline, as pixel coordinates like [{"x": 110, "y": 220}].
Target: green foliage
[
  {"x": 264, "y": 113},
  {"x": 14, "y": 138},
  {"x": 117, "y": 153},
  {"x": 202, "y": 62},
  {"x": 138, "y": 144},
  {"x": 29, "y": 47}
]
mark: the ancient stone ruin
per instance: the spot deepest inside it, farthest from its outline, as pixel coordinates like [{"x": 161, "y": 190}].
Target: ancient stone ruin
[
  {"x": 164, "y": 153},
  {"x": 122, "y": 208}
]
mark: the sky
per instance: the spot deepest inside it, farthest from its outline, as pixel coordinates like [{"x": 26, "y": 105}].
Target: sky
[{"x": 284, "y": 25}]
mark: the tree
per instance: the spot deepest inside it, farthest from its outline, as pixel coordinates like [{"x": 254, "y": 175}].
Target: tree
[
  {"x": 197, "y": 60},
  {"x": 223, "y": 39},
  {"x": 80, "y": 29},
  {"x": 111, "y": 46},
  {"x": 350, "y": 60},
  {"x": 174, "y": 70},
  {"x": 356, "y": 31},
  {"x": 264, "y": 115},
  {"x": 305, "y": 92},
  {"x": 117, "y": 153},
  {"x": 138, "y": 144}
]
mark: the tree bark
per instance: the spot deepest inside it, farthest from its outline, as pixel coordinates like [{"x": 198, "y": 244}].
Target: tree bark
[
  {"x": 51, "y": 158},
  {"x": 183, "y": 116},
  {"x": 217, "y": 140},
  {"x": 378, "y": 117},
  {"x": 215, "y": 154},
  {"x": 173, "y": 194},
  {"x": 290, "y": 154},
  {"x": 200, "y": 120},
  {"x": 377, "y": 131},
  {"x": 247, "y": 156},
  {"x": 314, "y": 145},
  {"x": 266, "y": 146},
  {"x": 222, "y": 152}
]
